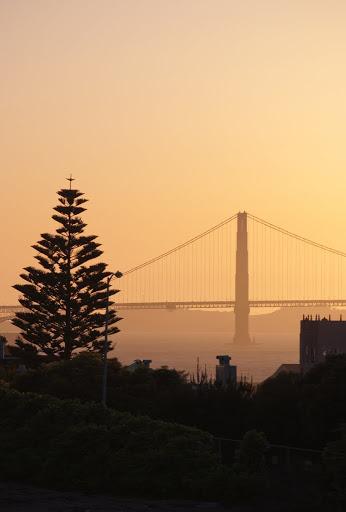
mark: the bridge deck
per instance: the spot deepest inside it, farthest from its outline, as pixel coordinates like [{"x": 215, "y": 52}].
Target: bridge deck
[
  {"x": 216, "y": 304},
  {"x": 229, "y": 304}
]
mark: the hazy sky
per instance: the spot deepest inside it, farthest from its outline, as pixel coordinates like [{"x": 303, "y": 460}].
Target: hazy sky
[{"x": 172, "y": 115}]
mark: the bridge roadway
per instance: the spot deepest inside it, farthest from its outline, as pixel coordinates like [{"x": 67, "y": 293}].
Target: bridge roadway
[
  {"x": 8, "y": 311},
  {"x": 229, "y": 304}
]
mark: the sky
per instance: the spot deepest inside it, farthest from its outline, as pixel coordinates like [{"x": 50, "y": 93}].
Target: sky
[{"x": 172, "y": 116}]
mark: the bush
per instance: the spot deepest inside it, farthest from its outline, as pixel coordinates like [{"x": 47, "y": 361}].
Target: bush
[
  {"x": 296, "y": 410},
  {"x": 251, "y": 454},
  {"x": 79, "y": 377},
  {"x": 159, "y": 393},
  {"x": 334, "y": 457},
  {"x": 72, "y": 445}
]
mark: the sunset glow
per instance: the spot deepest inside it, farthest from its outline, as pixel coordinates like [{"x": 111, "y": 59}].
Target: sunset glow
[{"x": 172, "y": 116}]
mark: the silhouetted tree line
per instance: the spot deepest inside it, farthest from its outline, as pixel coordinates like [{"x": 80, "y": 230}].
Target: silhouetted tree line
[
  {"x": 290, "y": 409},
  {"x": 306, "y": 411}
]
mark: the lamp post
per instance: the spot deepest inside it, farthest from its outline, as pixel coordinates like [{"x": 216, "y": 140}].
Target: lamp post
[{"x": 117, "y": 274}]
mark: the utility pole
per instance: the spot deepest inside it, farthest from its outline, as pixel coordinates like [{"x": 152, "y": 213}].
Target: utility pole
[{"x": 105, "y": 342}]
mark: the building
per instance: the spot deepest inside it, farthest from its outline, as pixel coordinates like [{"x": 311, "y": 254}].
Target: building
[
  {"x": 225, "y": 373},
  {"x": 319, "y": 338},
  {"x": 139, "y": 363},
  {"x": 287, "y": 368}
]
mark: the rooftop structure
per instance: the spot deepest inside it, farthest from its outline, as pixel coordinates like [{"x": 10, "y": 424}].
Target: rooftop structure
[
  {"x": 225, "y": 373},
  {"x": 139, "y": 363},
  {"x": 287, "y": 368},
  {"x": 319, "y": 338}
]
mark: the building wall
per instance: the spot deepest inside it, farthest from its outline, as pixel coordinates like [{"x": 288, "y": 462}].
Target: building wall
[
  {"x": 226, "y": 374},
  {"x": 320, "y": 337}
]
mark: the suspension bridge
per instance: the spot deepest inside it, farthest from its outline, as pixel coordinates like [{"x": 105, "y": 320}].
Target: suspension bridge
[{"x": 240, "y": 263}]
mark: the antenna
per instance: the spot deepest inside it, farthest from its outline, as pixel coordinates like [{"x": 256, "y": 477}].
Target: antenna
[{"x": 70, "y": 179}]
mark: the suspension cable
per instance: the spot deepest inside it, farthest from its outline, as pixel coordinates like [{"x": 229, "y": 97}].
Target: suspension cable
[
  {"x": 297, "y": 237},
  {"x": 181, "y": 246}
]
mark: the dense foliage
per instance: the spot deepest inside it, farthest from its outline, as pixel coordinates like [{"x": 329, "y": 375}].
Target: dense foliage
[
  {"x": 65, "y": 298},
  {"x": 84, "y": 446},
  {"x": 41, "y": 435},
  {"x": 290, "y": 409},
  {"x": 335, "y": 462},
  {"x": 304, "y": 410},
  {"x": 160, "y": 393}
]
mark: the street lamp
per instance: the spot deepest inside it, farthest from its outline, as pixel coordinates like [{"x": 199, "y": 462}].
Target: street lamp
[{"x": 116, "y": 274}]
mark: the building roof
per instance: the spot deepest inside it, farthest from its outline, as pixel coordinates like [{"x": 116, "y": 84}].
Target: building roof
[{"x": 287, "y": 368}]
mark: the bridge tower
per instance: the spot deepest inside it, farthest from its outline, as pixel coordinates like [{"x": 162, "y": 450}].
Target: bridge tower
[{"x": 242, "y": 308}]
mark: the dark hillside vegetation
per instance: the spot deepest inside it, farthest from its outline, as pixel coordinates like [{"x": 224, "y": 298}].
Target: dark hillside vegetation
[
  {"x": 290, "y": 409},
  {"x": 77, "y": 444},
  {"x": 160, "y": 393},
  {"x": 67, "y": 444}
]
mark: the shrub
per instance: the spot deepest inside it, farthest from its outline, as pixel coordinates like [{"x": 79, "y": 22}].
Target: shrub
[
  {"x": 68, "y": 444},
  {"x": 251, "y": 454},
  {"x": 159, "y": 393},
  {"x": 334, "y": 457}
]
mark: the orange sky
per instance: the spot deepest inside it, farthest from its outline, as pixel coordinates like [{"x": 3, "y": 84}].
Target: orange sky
[{"x": 173, "y": 115}]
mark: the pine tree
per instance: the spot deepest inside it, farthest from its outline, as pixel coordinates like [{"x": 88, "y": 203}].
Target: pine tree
[{"x": 65, "y": 298}]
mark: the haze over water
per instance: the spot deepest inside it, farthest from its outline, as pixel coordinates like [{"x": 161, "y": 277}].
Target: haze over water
[
  {"x": 176, "y": 339},
  {"x": 180, "y": 351}
]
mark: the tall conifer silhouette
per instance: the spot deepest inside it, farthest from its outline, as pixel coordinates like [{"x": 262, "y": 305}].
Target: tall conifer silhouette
[{"x": 65, "y": 298}]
